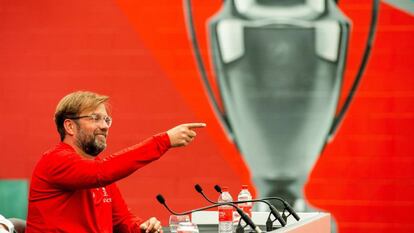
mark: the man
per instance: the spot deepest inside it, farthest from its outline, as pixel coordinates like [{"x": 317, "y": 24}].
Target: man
[
  {"x": 6, "y": 226},
  {"x": 74, "y": 191},
  {"x": 12, "y": 225}
]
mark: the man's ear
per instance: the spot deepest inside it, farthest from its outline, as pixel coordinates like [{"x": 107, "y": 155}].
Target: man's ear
[{"x": 70, "y": 127}]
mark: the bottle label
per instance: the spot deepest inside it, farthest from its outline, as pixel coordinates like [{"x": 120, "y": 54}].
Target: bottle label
[
  {"x": 247, "y": 209},
  {"x": 226, "y": 215}
]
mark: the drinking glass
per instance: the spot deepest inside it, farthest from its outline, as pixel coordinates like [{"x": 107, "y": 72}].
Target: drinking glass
[
  {"x": 175, "y": 220},
  {"x": 187, "y": 227}
]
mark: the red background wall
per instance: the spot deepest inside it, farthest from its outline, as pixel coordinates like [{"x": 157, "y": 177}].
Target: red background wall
[{"x": 138, "y": 53}]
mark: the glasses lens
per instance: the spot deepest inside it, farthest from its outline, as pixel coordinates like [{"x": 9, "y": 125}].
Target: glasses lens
[
  {"x": 98, "y": 118},
  {"x": 108, "y": 120}
]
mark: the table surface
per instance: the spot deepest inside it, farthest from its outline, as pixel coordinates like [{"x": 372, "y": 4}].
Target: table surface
[{"x": 207, "y": 221}]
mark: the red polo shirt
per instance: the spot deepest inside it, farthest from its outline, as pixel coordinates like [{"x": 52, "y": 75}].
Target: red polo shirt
[{"x": 69, "y": 193}]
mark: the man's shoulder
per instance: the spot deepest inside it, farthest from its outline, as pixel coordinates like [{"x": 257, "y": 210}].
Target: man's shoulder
[{"x": 59, "y": 149}]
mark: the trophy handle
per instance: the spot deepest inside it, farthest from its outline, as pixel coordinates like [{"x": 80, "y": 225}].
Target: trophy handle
[
  {"x": 341, "y": 114},
  {"x": 206, "y": 83}
]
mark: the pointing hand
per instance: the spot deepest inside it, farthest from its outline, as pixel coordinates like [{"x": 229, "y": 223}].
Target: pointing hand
[{"x": 182, "y": 135}]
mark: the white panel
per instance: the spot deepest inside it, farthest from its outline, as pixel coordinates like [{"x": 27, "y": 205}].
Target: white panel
[
  {"x": 327, "y": 39},
  {"x": 230, "y": 39},
  {"x": 317, "y": 5},
  {"x": 211, "y": 217},
  {"x": 310, "y": 9},
  {"x": 243, "y": 5}
]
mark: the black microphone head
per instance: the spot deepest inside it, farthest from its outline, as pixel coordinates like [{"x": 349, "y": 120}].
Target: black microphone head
[
  {"x": 160, "y": 199},
  {"x": 217, "y": 188},
  {"x": 292, "y": 211},
  {"x": 277, "y": 215},
  {"x": 246, "y": 218},
  {"x": 198, "y": 188}
]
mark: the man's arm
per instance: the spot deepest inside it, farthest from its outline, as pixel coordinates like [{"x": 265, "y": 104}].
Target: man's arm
[
  {"x": 125, "y": 222},
  {"x": 70, "y": 171}
]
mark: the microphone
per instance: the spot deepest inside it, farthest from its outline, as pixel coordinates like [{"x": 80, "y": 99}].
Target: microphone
[
  {"x": 244, "y": 216},
  {"x": 285, "y": 203},
  {"x": 273, "y": 210}
]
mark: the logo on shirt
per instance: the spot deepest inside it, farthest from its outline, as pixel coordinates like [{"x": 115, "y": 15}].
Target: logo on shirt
[
  {"x": 101, "y": 195},
  {"x": 106, "y": 197}
]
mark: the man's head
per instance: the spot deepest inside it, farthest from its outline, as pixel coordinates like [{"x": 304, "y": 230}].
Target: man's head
[{"x": 81, "y": 117}]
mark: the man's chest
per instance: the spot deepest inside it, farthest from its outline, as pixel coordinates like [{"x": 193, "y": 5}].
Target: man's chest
[
  {"x": 102, "y": 204},
  {"x": 101, "y": 196}
]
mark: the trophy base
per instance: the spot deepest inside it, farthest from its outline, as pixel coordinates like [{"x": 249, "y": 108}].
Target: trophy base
[{"x": 290, "y": 190}]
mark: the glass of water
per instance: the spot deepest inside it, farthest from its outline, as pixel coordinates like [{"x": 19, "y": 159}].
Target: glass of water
[
  {"x": 177, "y": 219},
  {"x": 187, "y": 227}
]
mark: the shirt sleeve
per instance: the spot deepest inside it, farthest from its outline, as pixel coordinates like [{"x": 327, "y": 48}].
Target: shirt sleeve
[
  {"x": 68, "y": 170},
  {"x": 123, "y": 220}
]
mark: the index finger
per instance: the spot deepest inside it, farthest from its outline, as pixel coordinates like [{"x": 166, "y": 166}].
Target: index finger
[
  {"x": 144, "y": 225},
  {"x": 195, "y": 125},
  {"x": 151, "y": 224}
]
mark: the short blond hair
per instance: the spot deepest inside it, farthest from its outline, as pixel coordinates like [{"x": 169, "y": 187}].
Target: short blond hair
[{"x": 73, "y": 104}]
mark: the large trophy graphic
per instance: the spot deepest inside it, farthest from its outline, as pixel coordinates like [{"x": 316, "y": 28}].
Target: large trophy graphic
[{"x": 279, "y": 66}]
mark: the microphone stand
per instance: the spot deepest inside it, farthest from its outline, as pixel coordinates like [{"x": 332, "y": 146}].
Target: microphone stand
[
  {"x": 244, "y": 216},
  {"x": 269, "y": 221},
  {"x": 239, "y": 228},
  {"x": 287, "y": 208},
  {"x": 286, "y": 205}
]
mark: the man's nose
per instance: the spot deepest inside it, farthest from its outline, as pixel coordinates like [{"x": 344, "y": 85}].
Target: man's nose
[{"x": 103, "y": 124}]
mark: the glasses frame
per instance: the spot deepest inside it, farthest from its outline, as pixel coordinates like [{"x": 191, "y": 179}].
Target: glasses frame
[{"x": 96, "y": 118}]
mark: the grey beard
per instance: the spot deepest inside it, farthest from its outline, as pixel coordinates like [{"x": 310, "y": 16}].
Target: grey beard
[
  {"x": 90, "y": 147},
  {"x": 88, "y": 143}
]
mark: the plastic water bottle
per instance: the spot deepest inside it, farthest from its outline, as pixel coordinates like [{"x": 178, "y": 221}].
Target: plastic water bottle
[
  {"x": 225, "y": 212},
  {"x": 245, "y": 195}
]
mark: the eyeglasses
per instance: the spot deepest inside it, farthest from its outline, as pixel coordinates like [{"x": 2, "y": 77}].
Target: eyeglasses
[{"x": 95, "y": 118}]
